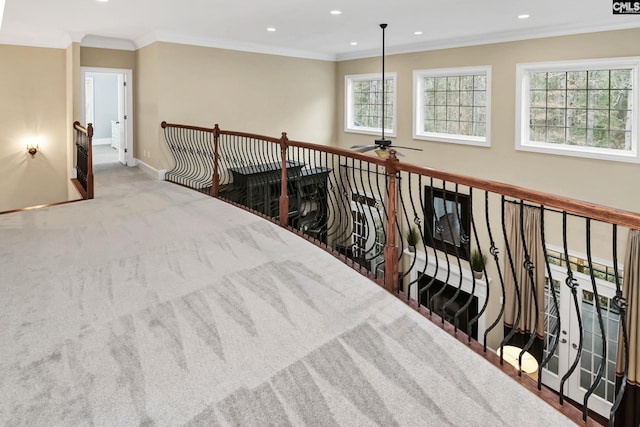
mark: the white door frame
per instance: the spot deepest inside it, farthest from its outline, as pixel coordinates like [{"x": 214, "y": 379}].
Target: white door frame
[
  {"x": 127, "y": 119},
  {"x": 570, "y": 336}
]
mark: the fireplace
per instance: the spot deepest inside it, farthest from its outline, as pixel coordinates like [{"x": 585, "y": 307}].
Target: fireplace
[{"x": 438, "y": 294}]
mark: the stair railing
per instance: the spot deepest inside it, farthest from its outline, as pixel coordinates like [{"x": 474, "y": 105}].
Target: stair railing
[
  {"x": 84, "y": 160},
  {"x": 360, "y": 208}
]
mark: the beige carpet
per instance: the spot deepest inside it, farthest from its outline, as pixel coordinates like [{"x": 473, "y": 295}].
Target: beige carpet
[
  {"x": 104, "y": 154},
  {"x": 157, "y": 305}
]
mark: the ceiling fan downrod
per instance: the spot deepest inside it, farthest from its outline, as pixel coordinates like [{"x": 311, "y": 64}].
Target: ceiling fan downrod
[{"x": 382, "y": 142}]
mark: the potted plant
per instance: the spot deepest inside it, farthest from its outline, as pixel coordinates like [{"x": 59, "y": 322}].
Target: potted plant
[
  {"x": 477, "y": 262},
  {"x": 413, "y": 237}
]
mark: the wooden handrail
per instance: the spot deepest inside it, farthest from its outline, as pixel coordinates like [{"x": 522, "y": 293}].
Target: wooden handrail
[
  {"x": 577, "y": 207},
  {"x": 87, "y": 130},
  {"x": 572, "y": 206},
  {"x": 165, "y": 125}
]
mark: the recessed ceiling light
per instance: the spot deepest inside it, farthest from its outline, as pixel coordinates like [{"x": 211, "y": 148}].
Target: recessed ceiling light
[
  {"x": 271, "y": 29},
  {"x": 102, "y": 1},
  {"x": 336, "y": 12},
  {"x": 418, "y": 33},
  {"x": 523, "y": 16},
  {"x": 354, "y": 43}
]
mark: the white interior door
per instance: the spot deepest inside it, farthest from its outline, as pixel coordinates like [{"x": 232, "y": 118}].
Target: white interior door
[
  {"x": 579, "y": 382},
  {"x": 125, "y": 108},
  {"x": 122, "y": 134}
]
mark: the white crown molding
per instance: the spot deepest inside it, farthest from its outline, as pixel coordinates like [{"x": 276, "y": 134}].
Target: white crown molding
[
  {"x": 91, "y": 40},
  {"x": 88, "y": 40},
  {"x": 61, "y": 42},
  {"x": 490, "y": 38},
  {"x": 231, "y": 45},
  {"x": 2, "y": 4},
  {"x": 145, "y": 40}
]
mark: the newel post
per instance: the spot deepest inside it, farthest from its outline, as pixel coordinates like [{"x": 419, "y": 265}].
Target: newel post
[
  {"x": 391, "y": 248},
  {"x": 89, "y": 161},
  {"x": 284, "y": 197},
  {"x": 215, "y": 184}
]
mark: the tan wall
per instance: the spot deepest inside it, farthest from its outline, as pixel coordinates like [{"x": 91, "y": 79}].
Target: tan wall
[
  {"x": 605, "y": 182},
  {"x": 146, "y": 118},
  {"x": 249, "y": 92},
  {"x": 32, "y": 105},
  {"x": 73, "y": 112},
  {"x": 107, "y": 58}
]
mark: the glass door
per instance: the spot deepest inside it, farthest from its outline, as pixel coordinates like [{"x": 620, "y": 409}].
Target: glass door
[{"x": 592, "y": 345}]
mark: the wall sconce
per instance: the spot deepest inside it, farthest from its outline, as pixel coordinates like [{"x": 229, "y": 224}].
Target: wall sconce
[{"x": 32, "y": 149}]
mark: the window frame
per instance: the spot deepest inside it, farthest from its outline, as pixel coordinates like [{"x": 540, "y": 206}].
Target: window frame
[
  {"x": 418, "y": 102},
  {"x": 522, "y": 129},
  {"x": 349, "y": 79}
]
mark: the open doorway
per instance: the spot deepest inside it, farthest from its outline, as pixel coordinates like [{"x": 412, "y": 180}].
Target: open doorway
[{"x": 107, "y": 103}]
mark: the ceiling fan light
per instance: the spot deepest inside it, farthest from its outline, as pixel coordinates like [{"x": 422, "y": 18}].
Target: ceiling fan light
[{"x": 383, "y": 153}]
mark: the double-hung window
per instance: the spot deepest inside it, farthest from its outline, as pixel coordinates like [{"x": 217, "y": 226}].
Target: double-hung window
[
  {"x": 453, "y": 105},
  {"x": 363, "y": 104},
  {"x": 585, "y": 108}
]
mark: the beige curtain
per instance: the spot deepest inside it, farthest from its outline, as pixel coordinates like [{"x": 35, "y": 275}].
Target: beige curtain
[
  {"x": 629, "y": 412},
  {"x": 531, "y": 225}
]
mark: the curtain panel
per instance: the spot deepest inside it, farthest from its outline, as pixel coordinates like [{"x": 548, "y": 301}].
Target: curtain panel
[
  {"x": 520, "y": 279},
  {"x": 628, "y": 413}
]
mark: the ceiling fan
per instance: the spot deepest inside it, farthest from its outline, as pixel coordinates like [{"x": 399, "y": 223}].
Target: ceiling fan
[{"x": 382, "y": 146}]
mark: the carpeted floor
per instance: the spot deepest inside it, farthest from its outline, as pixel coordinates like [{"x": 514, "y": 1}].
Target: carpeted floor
[
  {"x": 157, "y": 305},
  {"x": 104, "y": 154}
]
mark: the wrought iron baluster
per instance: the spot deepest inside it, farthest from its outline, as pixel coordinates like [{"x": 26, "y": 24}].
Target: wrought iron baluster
[
  {"x": 512, "y": 266},
  {"x": 466, "y": 305},
  {"x": 440, "y": 230},
  {"x": 464, "y": 245},
  {"x": 572, "y": 283},
  {"x": 552, "y": 289},
  {"x": 529, "y": 267},
  {"x": 417, "y": 223},
  {"x": 603, "y": 334},
  {"x": 430, "y": 240},
  {"x": 495, "y": 254}
]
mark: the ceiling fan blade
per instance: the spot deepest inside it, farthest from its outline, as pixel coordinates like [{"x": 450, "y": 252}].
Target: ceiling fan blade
[
  {"x": 406, "y": 148},
  {"x": 364, "y": 148}
]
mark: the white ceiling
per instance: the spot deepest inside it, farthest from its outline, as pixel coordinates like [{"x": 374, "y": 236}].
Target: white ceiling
[{"x": 304, "y": 28}]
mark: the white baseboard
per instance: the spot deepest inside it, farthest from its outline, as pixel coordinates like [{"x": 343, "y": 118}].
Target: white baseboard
[
  {"x": 101, "y": 141},
  {"x": 150, "y": 170}
]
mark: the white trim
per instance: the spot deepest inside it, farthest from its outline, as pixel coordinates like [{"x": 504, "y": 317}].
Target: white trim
[
  {"x": 488, "y": 39},
  {"x": 348, "y": 102},
  {"x": 107, "y": 43},
  {"x": 128, "y": 104},
  {"x": 418, "y": 118},
  {"x": 63, "y": 40},
  {"x": 154, "y": 173},
  {"x": 151, "y": 38},
  {"x": 2, "y": 2},
  {"x": 522, "y": 140}
]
